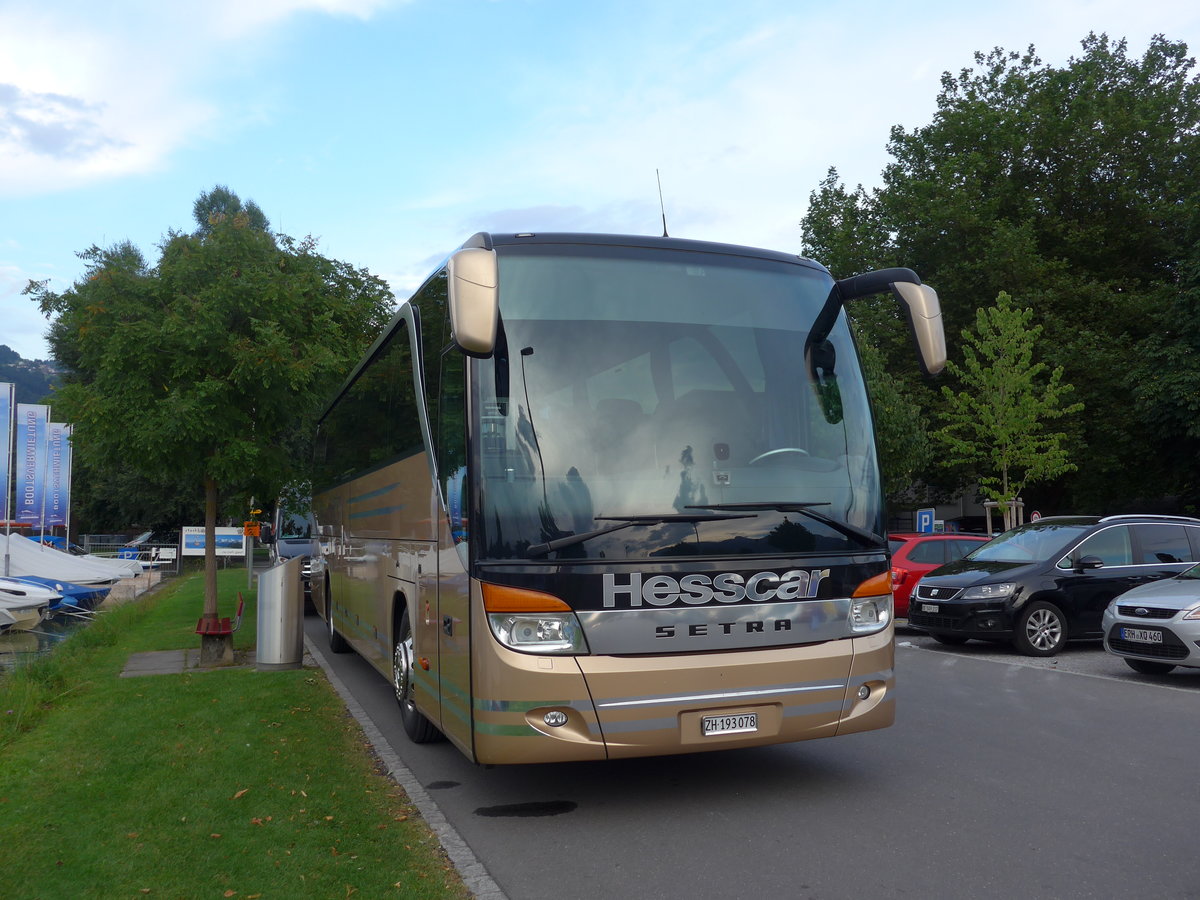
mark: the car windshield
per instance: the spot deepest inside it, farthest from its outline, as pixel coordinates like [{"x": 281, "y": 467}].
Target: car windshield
[
  {"x": 294, "y": 526},
  {"x": 1030, "y": 543},
  {"x": 1192, "y": 574},
  {"x": 628, "y": 384}
]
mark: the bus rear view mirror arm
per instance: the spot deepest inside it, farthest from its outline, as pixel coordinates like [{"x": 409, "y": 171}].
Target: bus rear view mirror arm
[
  {"x": 918, "y": 301},
  {"x": 474, "y": 300}
]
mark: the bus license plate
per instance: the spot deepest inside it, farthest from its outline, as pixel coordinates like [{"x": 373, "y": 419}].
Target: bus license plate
[
  {"x": 1142, "y": 635},
  {"x": 741, "y": 723}
]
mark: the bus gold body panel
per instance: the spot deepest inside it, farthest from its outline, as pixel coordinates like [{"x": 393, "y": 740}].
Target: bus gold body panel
[
  {"x": 874, "y": 661},
  {"x": 655, "y": 705},
  {"x": 512, "y": 694},
  {"x": 618, "y": 707}
]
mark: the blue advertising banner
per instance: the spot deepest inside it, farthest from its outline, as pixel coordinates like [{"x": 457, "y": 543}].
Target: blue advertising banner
[
  {"x": 57, "y": 502},
  {"x": 32, "y": 419},
  {"x": 7, "y": 394}
]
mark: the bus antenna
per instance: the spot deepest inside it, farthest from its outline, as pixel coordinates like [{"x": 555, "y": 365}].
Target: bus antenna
[{"x": 661, "y": 205}]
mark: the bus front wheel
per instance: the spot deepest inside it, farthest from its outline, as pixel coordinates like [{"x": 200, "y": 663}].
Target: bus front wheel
[{"x": 418, "y": 728}]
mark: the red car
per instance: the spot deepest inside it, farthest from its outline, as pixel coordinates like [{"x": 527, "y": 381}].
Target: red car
[{"x": 915, "y": 554}]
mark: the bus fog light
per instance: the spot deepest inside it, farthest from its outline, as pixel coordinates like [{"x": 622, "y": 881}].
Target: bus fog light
[
  {"x": 555, "y": 718},
  {"x": 863, "y": 692}
]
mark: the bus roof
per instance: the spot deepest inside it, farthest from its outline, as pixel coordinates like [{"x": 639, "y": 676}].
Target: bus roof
[{"x": 489, "y": 241}]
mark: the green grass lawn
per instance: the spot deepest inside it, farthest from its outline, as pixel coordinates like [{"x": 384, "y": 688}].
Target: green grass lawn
[{"x": 227, "y": 783}]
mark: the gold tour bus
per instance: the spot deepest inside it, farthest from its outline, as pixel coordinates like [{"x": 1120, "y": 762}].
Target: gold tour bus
[{"x": 596, "y": 496}]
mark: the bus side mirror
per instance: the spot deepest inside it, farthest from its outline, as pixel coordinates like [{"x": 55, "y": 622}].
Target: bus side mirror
[
  {"x": 474, "y": 300},
  {"x": 918, "y": 301},
  {"x": 924, "y": 314}
]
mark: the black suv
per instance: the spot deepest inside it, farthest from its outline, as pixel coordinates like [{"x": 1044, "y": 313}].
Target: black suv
[{"x": 1039, "y": 584}]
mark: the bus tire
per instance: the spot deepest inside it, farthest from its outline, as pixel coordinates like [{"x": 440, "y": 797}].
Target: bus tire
[
  {"x": 337, "y": 643},
  {"x": 418, "y": 728}
]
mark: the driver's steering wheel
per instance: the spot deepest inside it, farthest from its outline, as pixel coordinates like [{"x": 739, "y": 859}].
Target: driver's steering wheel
[{"x": 776, "y": 452}]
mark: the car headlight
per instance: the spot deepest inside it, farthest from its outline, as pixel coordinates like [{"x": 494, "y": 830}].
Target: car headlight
[
  {"x": 990, "y": 591},
  {"x": 1193, "y": 613},
  {"x": 532, "y": 622}
]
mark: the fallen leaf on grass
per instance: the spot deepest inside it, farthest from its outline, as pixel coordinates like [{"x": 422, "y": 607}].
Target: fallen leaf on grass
[
  {"x": 214, "y": 835},
  {"x": 241, "y": 793}
]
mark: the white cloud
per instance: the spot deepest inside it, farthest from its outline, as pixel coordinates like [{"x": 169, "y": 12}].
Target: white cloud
[{"x": 93, "y": 92}]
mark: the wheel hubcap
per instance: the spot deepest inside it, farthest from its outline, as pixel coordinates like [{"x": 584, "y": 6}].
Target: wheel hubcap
[
  {"x": 402, "y": 669},
  {"x": 1043, "y": 629}
]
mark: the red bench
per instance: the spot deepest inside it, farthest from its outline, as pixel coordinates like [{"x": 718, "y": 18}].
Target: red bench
[{"x": 222, "y": 627}]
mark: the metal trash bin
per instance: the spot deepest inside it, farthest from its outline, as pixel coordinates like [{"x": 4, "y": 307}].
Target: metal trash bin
[{"x": 280, "y": 617}]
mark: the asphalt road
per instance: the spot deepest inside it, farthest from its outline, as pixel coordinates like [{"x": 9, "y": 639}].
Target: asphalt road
[{"x": 1004, "y": 777}]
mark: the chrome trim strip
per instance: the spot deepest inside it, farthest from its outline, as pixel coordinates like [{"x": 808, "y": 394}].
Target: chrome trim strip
[
  {"x": 627, "y": 726},
  {"x": 721, "y": 695},
  {"x": 716, "y": 626}
]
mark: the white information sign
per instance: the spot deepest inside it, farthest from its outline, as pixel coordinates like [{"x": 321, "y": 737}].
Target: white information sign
[{"x": 230, "y": 541}]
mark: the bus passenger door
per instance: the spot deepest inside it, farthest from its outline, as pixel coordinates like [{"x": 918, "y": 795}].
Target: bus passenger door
[
  {"x": 453, "y": 587},
  {"x": 454, "y": 644}
]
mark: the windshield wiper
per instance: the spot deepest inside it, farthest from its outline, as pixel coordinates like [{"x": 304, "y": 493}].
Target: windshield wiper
[
  {"x": 626, "y": 522},
  {"x": 870, "y": 538}
]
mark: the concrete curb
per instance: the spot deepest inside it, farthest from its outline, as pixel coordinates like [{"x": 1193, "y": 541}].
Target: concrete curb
[{"x": 472, "y": 871}]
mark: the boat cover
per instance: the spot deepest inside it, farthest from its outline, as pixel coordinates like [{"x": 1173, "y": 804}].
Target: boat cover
[{"x": 28, "y": 557}]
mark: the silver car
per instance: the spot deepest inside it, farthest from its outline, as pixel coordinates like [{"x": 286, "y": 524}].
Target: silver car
[{"x": 1156, "y": 627}]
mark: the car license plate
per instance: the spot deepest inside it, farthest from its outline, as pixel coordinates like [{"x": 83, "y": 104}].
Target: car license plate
[
  {"x": 740, "y": 723},
  {"x": 1142, "y": 635},
  {"x": 929, "y": 607}
]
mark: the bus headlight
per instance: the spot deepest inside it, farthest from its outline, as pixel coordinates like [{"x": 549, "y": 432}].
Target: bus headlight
[
  {"x": 532, "y": 622},
  {"x": 870, "y": 614},
  {"x": 538, "y": 632},
  {"x": 871, "y": 605}
]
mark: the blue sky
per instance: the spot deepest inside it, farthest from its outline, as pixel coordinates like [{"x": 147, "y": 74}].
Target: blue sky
[{"x": 392, "y": 130}]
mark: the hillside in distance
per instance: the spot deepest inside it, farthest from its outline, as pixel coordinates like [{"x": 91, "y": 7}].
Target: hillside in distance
[{"x": 35, "y": 378}]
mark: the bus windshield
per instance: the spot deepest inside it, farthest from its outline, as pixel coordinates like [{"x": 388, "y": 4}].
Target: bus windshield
[{"x": 636, "y": 390}]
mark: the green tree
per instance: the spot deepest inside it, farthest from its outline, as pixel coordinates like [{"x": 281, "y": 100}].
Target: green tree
[
  {"x": 1076, "y": 188},
  {"x": 208, "y": 368},
  {"x": 900, "y": 427},
  {"x": 996, "y": 424}
]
